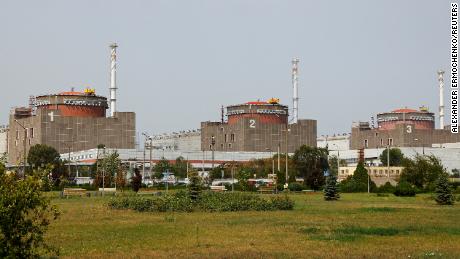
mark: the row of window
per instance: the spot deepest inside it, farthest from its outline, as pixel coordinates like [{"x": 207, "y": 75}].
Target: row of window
[
  {"x": 375, "y": 171},
  {"x": 29, "y": 133},
  {"x": 389, "y": 142}
]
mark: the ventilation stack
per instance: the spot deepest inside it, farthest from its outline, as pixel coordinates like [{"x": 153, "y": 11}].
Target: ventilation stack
[
  {"x": 295, "y": 85},
  {"x": 441, "y": 98},
  {"x": 113, "y": 79}
]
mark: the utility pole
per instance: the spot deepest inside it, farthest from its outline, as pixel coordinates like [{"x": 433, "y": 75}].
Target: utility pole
[
  {"x": 213, "y": 142},
  {"x": 103, "y": 174},
  {"x": 279, "y": 159},
  {"x": 388, "y": 161},
  {"x": 287, "y": 156}
]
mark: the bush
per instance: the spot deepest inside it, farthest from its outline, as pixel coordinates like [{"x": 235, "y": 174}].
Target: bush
[
  {"x": 295, "y": 187},
  {"x": 386, "y": 188},
  {"x": 209, "y": 201},
  {"x": 405, "y": 189}
]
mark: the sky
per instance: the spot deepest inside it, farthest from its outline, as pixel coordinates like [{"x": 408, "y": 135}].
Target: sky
[{"x": 179, "y": 61}]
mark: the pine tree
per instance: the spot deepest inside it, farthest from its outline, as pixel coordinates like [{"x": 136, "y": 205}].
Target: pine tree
[
  {"x": 443, "y": 191},
  {"x": 331, "y": 192},
  {"x": 194, "y": 187}
]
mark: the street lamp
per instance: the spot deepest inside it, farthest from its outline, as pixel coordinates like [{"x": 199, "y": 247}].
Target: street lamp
[
  {"x": 103, "y": 174},
  {"x": 338, "y": 158},
  {"x": 286, "y": 185},
  {"x": 25, "y": 149},
  {"x": 68, "y": 150},
  {"x": 213, "y": 142}
]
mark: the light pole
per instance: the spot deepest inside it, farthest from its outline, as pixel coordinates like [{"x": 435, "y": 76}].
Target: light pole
[
  {"x": 338, "y": 159},
  {"x": 147, "y": 137},
  {"x": 213, "y": 142},
  {"x": 68, "y": 161},
  {"x": 25, "y": 149},
  {"x": 388, "y": 161},
  {"x": 286, "y": 185},
  {"x": 103, "y": 173}
]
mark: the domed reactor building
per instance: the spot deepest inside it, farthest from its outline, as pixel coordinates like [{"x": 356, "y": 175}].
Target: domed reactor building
[
  {"x": 257, "y": 126},
  {"x": 401, "y": 128},
  {"x": 71, "y": 121},
  {"x": 405, "y": 128}
]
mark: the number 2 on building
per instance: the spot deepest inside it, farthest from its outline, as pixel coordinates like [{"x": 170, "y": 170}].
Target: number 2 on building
[{"x": 252, "y": 123}]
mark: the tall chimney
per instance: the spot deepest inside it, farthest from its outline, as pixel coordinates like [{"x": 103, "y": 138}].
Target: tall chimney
[
  {"x": 295, "y": 85},
  {"x": 441, "y": 98},
  {"x": 113, "y": 79}
]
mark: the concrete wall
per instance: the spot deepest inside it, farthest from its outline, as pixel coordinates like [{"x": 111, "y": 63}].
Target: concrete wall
[
  {"x": 71, "y": 133},
  {"x": 404, "y": 135},
  {"x": 248, "y": 134}
]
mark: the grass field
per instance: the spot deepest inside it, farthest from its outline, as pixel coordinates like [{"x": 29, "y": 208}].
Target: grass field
[{"x": 357, "y": 226}]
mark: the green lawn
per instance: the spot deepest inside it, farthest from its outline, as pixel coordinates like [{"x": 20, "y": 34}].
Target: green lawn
[{"x": 357, "y": 226}]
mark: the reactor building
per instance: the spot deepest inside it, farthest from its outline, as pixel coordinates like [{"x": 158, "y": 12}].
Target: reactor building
[
  {"x": 405, "y": 128},
  {"x": 257, "y": 127},
  {"x": 71, "y": 121},
  {"x": 260, "y": 126}
]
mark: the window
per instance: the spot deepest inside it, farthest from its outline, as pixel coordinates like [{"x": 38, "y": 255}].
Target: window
[
  {"x": 17, "y": 134},
  {"x": 366, "y": 143},
  {"x": 30, "y": 141},
  {"x": 16, "y": 143},
  {"x": 229, "y": 145},
  {"x": 397, "y": 171},
  {"x": 390, "y": 142},
  {"x": 232, "y": 137},
  {"x": 381, "y": 142},
  {"x": 32, "y": 133},
  {"x": 225, "y": 138},
  {"x": 222, "y": 145}
]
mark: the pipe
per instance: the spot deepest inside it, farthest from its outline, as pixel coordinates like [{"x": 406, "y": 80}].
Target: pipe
[
  {"x": 441, "y": 98},
  {"x": 295, "y": 85},
  {"x": 113, "y": 79}
]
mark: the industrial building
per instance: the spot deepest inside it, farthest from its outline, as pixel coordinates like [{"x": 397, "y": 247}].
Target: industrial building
[
  {"x": 257, "y": 127},
  {"x": 71, "y": 121},
  {"x": 405, "y": 128},
  {"x": 260, "y": 126}
]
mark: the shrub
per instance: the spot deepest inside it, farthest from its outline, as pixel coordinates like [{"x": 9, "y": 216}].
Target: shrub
[
  {"x": 386, "y": 188},
  {"x": 405, "y": 189},
  {"x": 295, "y": 187},
  {"x": 209, "y": 201},
  {"x": 24, "y": 216}
]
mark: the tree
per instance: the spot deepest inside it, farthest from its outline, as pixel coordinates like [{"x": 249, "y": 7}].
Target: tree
[
  {"x": 41, "y": 155},
  {"x": 396, "y": 157},
  {"x": 331, "y": 191},
  {"x": 136, "y": 180},
  {"x": 109, "y": 166},
  {"x": 195, "y": 186},
  {"x": 121, "y": 180},
  {"x": 243, "y": 176},
  {"x": 25, "y": 214},
  {"x": 161, "y": 167},
  {"x": 310, "y": 163},
  {"x": 422, "y": 171},
  {"x": 180, "y": 167},
  {"x": 443, "y": 192},
  {"x": 359, "y": 181}
]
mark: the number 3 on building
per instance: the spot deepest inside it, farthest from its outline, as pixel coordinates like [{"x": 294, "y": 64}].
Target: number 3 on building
[
  {"x": 252, "y": 123},
  {"x": 409, "y": 128}
]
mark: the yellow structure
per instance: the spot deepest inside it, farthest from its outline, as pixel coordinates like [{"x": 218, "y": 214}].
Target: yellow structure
[{"x": 379, "y": 174}]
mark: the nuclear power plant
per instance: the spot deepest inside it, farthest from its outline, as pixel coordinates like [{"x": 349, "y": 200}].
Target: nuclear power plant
[{"x": 71, "y": 121}]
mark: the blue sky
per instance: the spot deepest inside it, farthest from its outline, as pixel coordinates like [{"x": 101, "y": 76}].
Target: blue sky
[{"x": 179, "y": 61}]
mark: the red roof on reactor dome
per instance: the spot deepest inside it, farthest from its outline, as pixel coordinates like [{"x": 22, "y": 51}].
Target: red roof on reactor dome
[
  {"x": 404, "y": 110},
  {"x": 258, "y": 102},
  {"x": 71, "y": 93}
]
